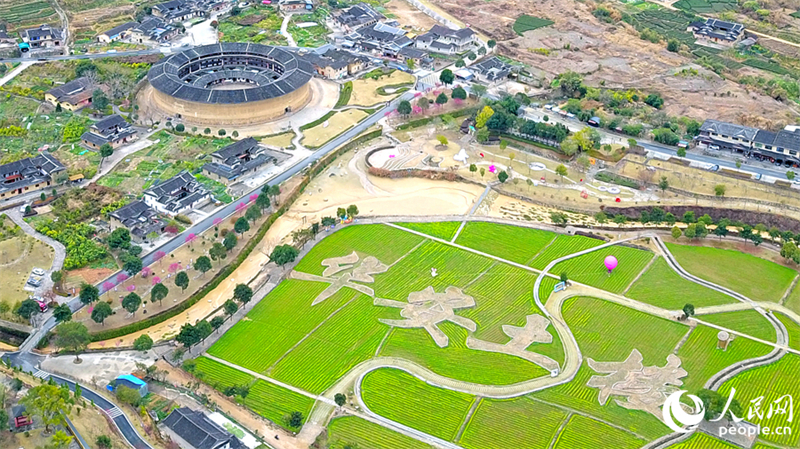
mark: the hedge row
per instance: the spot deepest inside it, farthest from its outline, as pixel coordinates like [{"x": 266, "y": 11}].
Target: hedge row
[
  {"x": 426, "y": 120},
  {"x": 318, "y": 121},
  {"x": 344, "y": 95},
  {"x": 612, "y": 178},
  {"x": 249, "y": 247},
  {"x": 401, "y": 87}
]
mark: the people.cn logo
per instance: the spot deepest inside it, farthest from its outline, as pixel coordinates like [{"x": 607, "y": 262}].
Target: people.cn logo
[{"x": 672, "y": 408}]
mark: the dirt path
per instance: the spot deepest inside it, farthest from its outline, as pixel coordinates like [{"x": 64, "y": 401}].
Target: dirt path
[{"x": 59, "y": 251}]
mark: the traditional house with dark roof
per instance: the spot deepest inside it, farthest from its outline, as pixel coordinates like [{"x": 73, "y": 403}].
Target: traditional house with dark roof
[
  {"x": 490, "y": 70},
  {"x": 113, "y": 130},
  {"x": 177, "y": 195},
  {"x": 239, "y": 159},
  {"x": 337, "y": 64},
  {"x": 28, "y": 175},
  {"x": 357, "y": 16},
  {"x": 43, "y": 36},
  {"x": 194, "y": 430},
  {"x": 446, "y": 40},
  {"x": 717, "y": 32},
  {"x": 296, "y": 5},
  {"x": 176, "y": 11},
  {"x": 153, "y": 29},
  {"x": 72, "y": 96},
  {"x": 117, "y": 33},
  {"x": 780, "y": 146},
  {"x": 139, "y": 218}
]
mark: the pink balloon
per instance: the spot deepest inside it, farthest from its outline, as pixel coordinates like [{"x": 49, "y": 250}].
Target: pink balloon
[{"x": 610, "y": 262}]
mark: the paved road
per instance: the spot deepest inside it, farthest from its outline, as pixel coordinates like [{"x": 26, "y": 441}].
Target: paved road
[{"x": 149, "y": 51}]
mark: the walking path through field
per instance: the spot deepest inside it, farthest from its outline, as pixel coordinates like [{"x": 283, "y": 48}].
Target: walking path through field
[
  {"x": 285, "y": 30},
  {"x": 59, "y": 251}
]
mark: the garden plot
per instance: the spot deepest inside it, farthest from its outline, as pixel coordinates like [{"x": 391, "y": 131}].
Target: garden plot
[
  {"x": 276, "y": 403},
  {"x": 22, "y": 13},
  {"x": 748, "y": 322},
  {"x": 444, "y": 230},
  {"x": 367, "y": 90},
  {"x": 590, "y": 269}
]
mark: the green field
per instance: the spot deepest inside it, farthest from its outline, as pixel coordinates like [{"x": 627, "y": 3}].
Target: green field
[
  {"x": 274, "y": 402},
  {"x": 527, "y": 23},
  {"x": 793, "y": 300},
  {"x": 701, "y": 358},
  {"x": 562, "y": 246},
  {"x": 701, "y": 440},
  {"x": 772, "y": 382},
  {"x": 756, "y": 278},
  {"x": 705, "y": 6},
  {"x": 444, "y": 230},
  {"x": 353, "y": 432},
  {"x": 501, "y": 424},
  {"x": 19, "y": 13},
  {"x": 663, "y": 287},
  {"x": 748, "y": 322},
  {"x": 582, "y": 432},
  {"x": 384, "y": 242},
  {"x": 407, "y": 400},
  {"x": 513, "y": 243},
  {"x": 589, "y": 268},
  {"x": 792, "y": 328},
  {"x": 218, "y": 375},
  {"x": 608, "y": 332}
]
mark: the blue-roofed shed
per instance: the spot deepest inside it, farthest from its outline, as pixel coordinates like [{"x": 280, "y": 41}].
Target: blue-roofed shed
[{"x": 130, "y": 381}]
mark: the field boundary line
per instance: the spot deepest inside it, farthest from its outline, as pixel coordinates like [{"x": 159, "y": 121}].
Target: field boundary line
[
  {"x": 543, "y": 249},
  {"x": 458, "y": 231},
  {"x": 789, "y": 290},
  {"x": 409, "y": 252},
  {"x": 305, "y": 337},
  {"x": 468, "y": 417},
  {"x": 573, "y": 411},
  {"x": 383, "y": 342},
  {"x": 559, "y": 430},
  {"x": 468, "y": 284},
  {"x": 644, "y": 270},
  {"x": 683, "y": 340},
  {"x": 272, "y": 381}
]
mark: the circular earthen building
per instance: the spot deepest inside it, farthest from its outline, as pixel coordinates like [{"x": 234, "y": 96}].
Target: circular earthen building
[{"x": 231, "y": 83}]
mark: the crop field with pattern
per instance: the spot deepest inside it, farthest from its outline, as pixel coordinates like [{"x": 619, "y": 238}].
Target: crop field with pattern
[
  {"x": 274, "y": 402},
  {"x": 663, "y": 287},
  {"x": 581, "y": 431},
  {"x": 500, "y": 424},
  {"x": 356, "y": 432},
  {"x": 589, "y": 268},
  {"x": 512, "y": 243},
  {"x": 218, "y": 375},
  {"x": 562, "y": 246},
  {"x": 444, "y": 230}
]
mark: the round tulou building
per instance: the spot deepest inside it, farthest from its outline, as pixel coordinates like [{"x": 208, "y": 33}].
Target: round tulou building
[{"x": 231, "y": 83}]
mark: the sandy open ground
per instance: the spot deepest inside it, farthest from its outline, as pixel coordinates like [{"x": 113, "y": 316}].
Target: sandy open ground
[
  {"x": 338, "y": 123},
  {"x": 365, "y": 91}
]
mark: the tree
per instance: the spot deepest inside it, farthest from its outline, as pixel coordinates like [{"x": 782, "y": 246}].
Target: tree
[
  {"x": 676, "y": 232},
  {"x": 296, "y": 420},
  {"x": 442, "y": 140},
  {"x": 221, "y": 132},
  {"x": 502, "y": 176},
  {"x": 241, "y": 226},
  {"x": 561, "y": 171},
  {"x": 57, "y": 276},
  {"x": 459, "y": 93},
  {"x": 681, "y": 152},
  {"x": 601, "y": 217},
  {"x": 691, "y": 231},
  {"x": 89, "y": 293},
  {"x": 283, "y": 254},
  {"x": 143, "y": 342},
  {"x": 103, "y": 442},
  {"x": 482, "y": 171},
  {"x": 473, "y": 168},
  {"x": 180, "y": 127},
  {"x": 722, "y": 228},
  {"x": 217, "y": 322},
  {"x": 72, "y": 336},
  {"x": 339, "y": 399},
  {"x": 62, "y": 313},
  {"x": 131, "y": 264},
  {"x": 564, "y": 277},
  {"x": 202, "y": 264},
  {"x": 158, "y": 292},
  {"x": 483, "y": 116},
  {"x": 688, "y": 217},
  {"x": 447, "y": 77},
  {"x": 47, "y": 401},
  {"x": 654, "y": 100},
  {"x": 99, "y": 100},
  {"x": 119, "y": 238},
  {"x": 128, "y": 395},
  {"x": 688, "y": 310},
  {"x": 131, "y": 303},
  {"x": 558, "y": 219},
  {"x": 404, "y": 108},
  {"x": 60, "y": 440},
  {"x": 719, "y": 190},
  {"x": 441, "y": 99},
  {"x": 790, "y": 175},
  {"x": 706, "y": 220},
  {"x": 756, "y": 238},
  {"x": 714, "y": 404},
  {"x": 663, "y": 184},
  {"x": 27, "y": 309},
  {"x": 204, "y": 329},
  {"x": 182, "y": 280},
  {"x": 100, "y": 312},
  {"x": 491, "y": 43},
  {"x": 230, "y": 307},
  {"x": 410, "y": 64},
  {"x": 262, "y": 201},
  {"x": 243, "y": 293},
  {"x": 188, "y": 335},
  {"x": 352, "y": 210},
  {"x": 207, "y": 131},
  {"x": 788, "y": 250},
  {"x": 673, "y": 45},
  {"x": 252, "y": 214},
  {"x": 460, "y": 63},
  {"x": 218, "y": 251},
  {"x": 230, "y": 240}
]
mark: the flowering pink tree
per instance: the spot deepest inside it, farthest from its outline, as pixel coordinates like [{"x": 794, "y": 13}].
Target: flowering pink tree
[
  {"x": 416, "y": 110},
  {"x": 217, "y": 221},
  {"x": 173, "y": 267},
  {"x": 253, "y": 197},
  {"x": 240, "y": 207},
  {"x": 158, "y": 256},
  {"x": 131, "y": 287},
  {"x": 156, "y": 280},
  {"x": 146, "y": 271},
  {"x": 108, "y": 286},
  {"x": 122, "y": 277},
  {"x": 417, "y": 95},
  {"x": 458, "y": 101},
  {"x": 172, "y": 229},
  {"x": 190, "y": 238}
]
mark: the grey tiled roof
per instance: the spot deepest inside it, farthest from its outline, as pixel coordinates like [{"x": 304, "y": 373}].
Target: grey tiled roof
[
  {"x": 198, "y": 430},
  {"x": 729, "y": 129}
]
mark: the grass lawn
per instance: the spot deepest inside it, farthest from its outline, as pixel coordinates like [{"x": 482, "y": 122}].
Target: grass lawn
[
  {"x": 748, "y": 322},
  {"x": 701, "y": 358},
  {"x": 562, "y": 246},
  {"x": 365, "y": 90},
  {"x": 527, "y": 23},
  {"x": 283, "y": 140},
  {"x": 337, "y": 124},
  {"x": 583, "y": 432},
  {"x": 403, "y": 398},
  {"x": 274, "y": 402},
  {"x": 218, "y": 375},
  {"x": 792, "y": 328},
  {"x": 663, "y": 287},
  {"x": 354, "y": 432},
  {"x": 772, "y": 382},
  {"x": 500, "y": 424},
  {"x": 513, "y": 243},
  {"x": 608, "y": 332},
  {"x": 18, "y": 256},
  {"x": 444, "y": 230},
  {"x": 589, "y": 268},
  {"x": 756, "y": 278},
  {"x": 385, "y": 243},
  {"x": 793, "y": 300}
]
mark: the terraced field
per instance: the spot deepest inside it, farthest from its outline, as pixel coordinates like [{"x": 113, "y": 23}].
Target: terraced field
[
  {"x": 384, "y": 242},
  {"x": 701, "y": 440},
  {"x": 218, "y": 375},
  {"x": 444, "y": 229},
  {"x": 701, "y": 358},
  {"x": 792, "y": 328},
  {"x": 21, "y": 13},
  {"x": 589, "y": 268},
  {"x": 756, "y": 278},
  {"x": 500, "y": 424},
  {"x": 405, "y": 399},
  {"x": 662, "y": 287},
  {"x": 513, "y": 243},
  {"x": 562, "y": 246},
  {"x": 583, "y": 432},
  {"x": 748, "y": 322},
  {"x": 350, "y": 431},
  {"x": 274, "y": 402}
]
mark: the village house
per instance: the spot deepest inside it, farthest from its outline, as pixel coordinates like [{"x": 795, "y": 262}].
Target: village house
[
  {"x": 139, "y": 218},
  {"x": 153, "y": 30},
  {"x": 177, "y": 195},
  {"x": 71, "y": 96},
  {"x": 239, "y": 159},
  {"x": 28, "y": 175},
  {"x": 113, "y": 130},
  {"x": 490, "y": 70},
  {"x": 357, "y": 16},
  {"x": 719, "y": 32},
  {"x": 447, "y": 41},
  {"x": 296, "y": 5},
  {"x": 176, "y": 11},
  {"x": 43, "y": 36},
  {"x": 191, "y": 429},
  {"x": 117, "y": 33},
  {"x": 337, "y": 64},
  {"x": 781, "y": 146}
]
